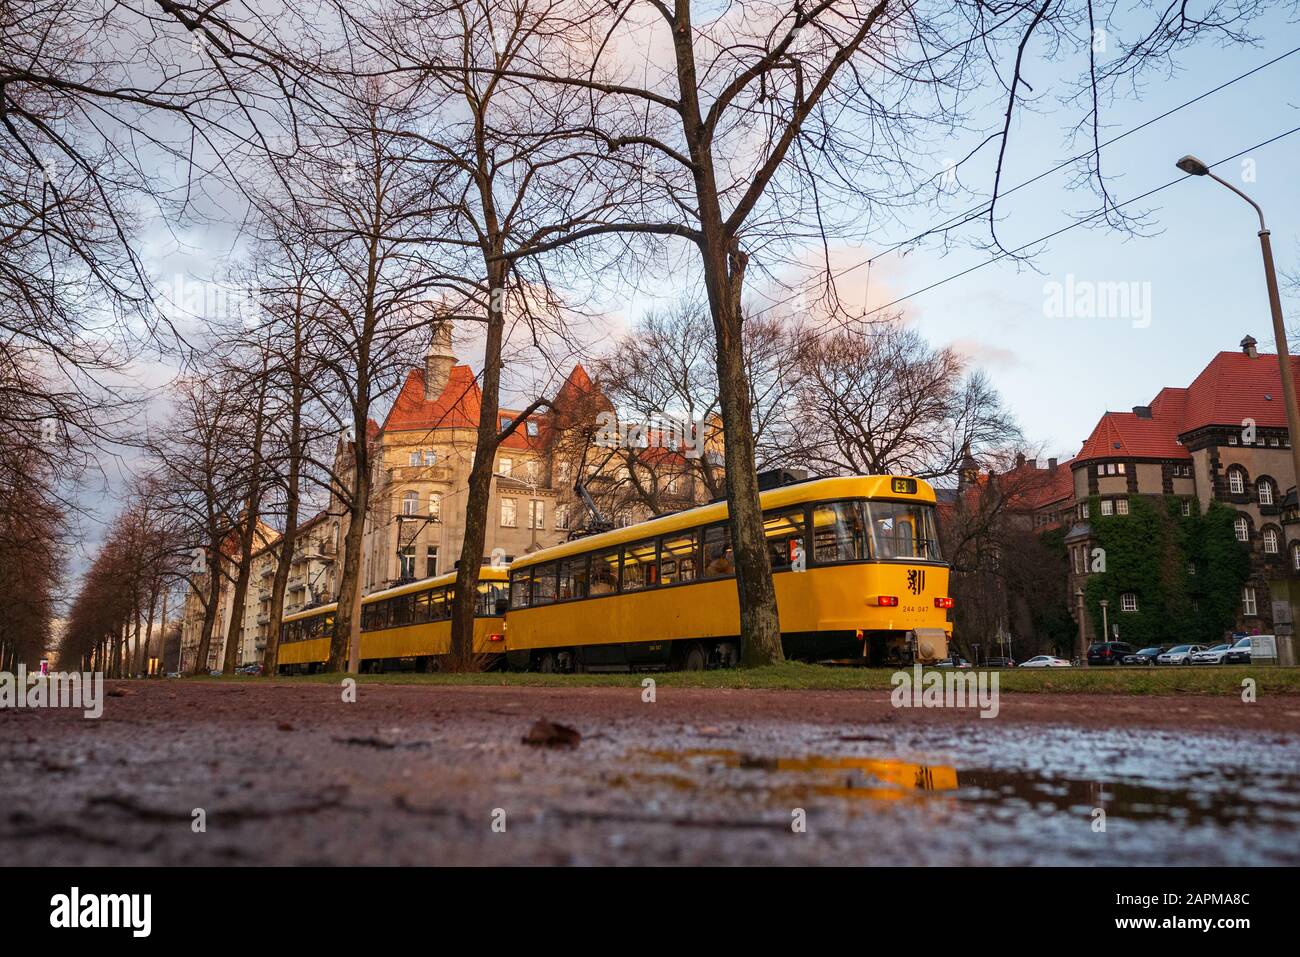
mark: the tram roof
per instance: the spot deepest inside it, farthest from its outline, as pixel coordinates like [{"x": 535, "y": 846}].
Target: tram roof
[
  {"x": 491, "y": 573},
  {"x": 814, "y": 490}
]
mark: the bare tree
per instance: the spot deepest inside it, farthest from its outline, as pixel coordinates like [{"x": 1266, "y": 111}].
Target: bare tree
[{"x": 883, "y": 400}]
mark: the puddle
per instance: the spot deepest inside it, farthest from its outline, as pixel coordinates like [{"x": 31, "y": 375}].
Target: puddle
[{"x": 1015, "y": 796}]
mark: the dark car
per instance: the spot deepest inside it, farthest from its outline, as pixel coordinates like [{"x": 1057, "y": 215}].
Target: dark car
[
  {"x": 1000, "y": 663},
  {"x": 1239, "y": 653},
  {"x": 1108, "y": 653},
  {"x": 1147, "y": 656}
]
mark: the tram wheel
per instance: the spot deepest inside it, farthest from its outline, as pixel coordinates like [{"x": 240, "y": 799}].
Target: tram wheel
[
  {"x": 548, "y": 664},
  {"x": 694, "y": 659}
]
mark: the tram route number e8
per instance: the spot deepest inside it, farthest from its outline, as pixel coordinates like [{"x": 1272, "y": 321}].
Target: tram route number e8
[{"x": 1196, "y": 897}]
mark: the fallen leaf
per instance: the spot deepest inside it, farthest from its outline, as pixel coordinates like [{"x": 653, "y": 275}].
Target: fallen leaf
[{"x": 547, "y": 734}]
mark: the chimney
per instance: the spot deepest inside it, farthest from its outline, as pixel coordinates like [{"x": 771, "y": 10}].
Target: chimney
[
  {"x": 1020, "y": 460},
  {"x": 1051, "y": 464},
  {"x": 1142, "y": 411},
  {"x": 438, "y": 362},
  {"x": 1033, "y": 463},
  {"x": 1248, "y": 346}
]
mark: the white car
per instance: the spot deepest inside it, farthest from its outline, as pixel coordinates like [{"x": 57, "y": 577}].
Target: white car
[
  {"x": 1212, "y": 656},
  {"x": 1179, "y": 655},
  {"x": 1044, "y": 661}
]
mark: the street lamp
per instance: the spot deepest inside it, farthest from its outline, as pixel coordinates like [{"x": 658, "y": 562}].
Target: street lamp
[
  {"x": 1105, "y": 621},
  {"x": 1194, "y": 167}
]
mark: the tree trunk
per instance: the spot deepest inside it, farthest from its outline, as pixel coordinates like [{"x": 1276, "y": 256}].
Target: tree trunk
[
  {"x": 142, "y": 652},
  {"x": 209, "y": 612},
  {"x": 235, "y": 631},
  {"x": 271, "y": 657},
  {"x": 347, "y": 618},
  {"x": 480, "y": 481},
  {"x": 270, "y": 660},
  {"x": 760, "y": 627}
]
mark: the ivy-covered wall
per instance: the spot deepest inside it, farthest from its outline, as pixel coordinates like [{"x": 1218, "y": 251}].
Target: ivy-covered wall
[{"x": 1186, "y": 571}]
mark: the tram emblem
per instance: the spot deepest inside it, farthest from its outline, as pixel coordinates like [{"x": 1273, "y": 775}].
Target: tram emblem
[{"x": 916, "y": 580}]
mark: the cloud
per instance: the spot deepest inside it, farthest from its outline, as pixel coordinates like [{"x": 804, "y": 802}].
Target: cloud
[{"x": 981, "y": 353}]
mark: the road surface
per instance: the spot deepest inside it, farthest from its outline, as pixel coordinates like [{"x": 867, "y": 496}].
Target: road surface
[{"x": 279, "y": 772}]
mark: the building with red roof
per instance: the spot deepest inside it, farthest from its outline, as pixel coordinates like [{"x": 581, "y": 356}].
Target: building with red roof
[
  {"x": 426, "y": 447},
  {"x": 1224, "y": 439}
]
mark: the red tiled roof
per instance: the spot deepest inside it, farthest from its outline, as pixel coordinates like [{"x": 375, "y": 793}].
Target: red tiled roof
[
  {"x": 1125, "y": 435},
  {"x": 1232, "y": 388},
  {"x": 461, "y": 403},
  {"x": 458, "y": 406}
]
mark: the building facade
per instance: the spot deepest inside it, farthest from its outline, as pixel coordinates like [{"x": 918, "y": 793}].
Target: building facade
[{"x": 1222, "y": 442}]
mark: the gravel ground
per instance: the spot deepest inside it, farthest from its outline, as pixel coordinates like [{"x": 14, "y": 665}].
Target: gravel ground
[{"x": 289, "y": 773}]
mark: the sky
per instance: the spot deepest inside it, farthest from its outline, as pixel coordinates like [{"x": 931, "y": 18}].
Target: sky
[{"x": 1198, "y": 267}]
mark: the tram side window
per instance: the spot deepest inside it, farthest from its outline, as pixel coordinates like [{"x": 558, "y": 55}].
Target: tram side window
[
  {"x": 785, "y": 536},
  {"x": 440, "y": 604},
  {"x": 718, "y": 559},
  {"x": 372, "y": 616},
  {"x": 639, "y": 564},
  {"x": 604, "y": 572},
  {"x": 544, "y": 584},
  {"x": 520, "y": 588},
  {"x": 327, "y": 624},
  {"x": 573, "y": 578},
  {"x": 489, "y": 593},
  {"x": 421, "y": 610},
  {"x": 838, "y": 534},
  {"x": 677, "y": 558}
]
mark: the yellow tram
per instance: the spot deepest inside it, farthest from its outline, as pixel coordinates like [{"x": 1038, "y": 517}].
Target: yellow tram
[
  {"x": 855, "y": 563},
  {"x": 408, "y": 625}
]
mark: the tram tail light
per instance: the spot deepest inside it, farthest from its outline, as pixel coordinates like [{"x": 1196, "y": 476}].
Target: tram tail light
[
  {"x": 943, "y": 603},
  {"x": 496, "y": 637},
  {"x": 887, "y": 601}
]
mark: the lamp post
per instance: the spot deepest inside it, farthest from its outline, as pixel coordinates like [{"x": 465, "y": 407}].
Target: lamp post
[
  {"x": 1105, "y": 620},
  {"x": 1194, "y": 167},
  {"x": 1083, "y": 635}
]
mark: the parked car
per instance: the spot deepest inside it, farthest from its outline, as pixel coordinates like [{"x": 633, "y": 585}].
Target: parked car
[
  {"x": 1000, "y": 663},
  {"x": 954, "y": 662},
  {"x": 1179, "y": 655},
  {"x": 1238, "y": 654},
  {"x": 1147, "y": 656},
  {"x": 248, "y": 670},
  {"x": 1045, "y": 661},
  {"x": 1108, "y": 653},
  {"x": 1212, "y": 656}
]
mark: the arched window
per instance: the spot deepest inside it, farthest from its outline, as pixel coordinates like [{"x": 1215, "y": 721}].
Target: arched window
[
  {"x": 1295, "y": 556},
  {"x": 435, "y": 505},
  {"x": 1265, "y": 489},
  {"x": 1236, "y": 481},
  {"x": 411, "y": 503},
  {"x": 1242, "y": 528},
  {"x": 1270, "y": 541}
]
